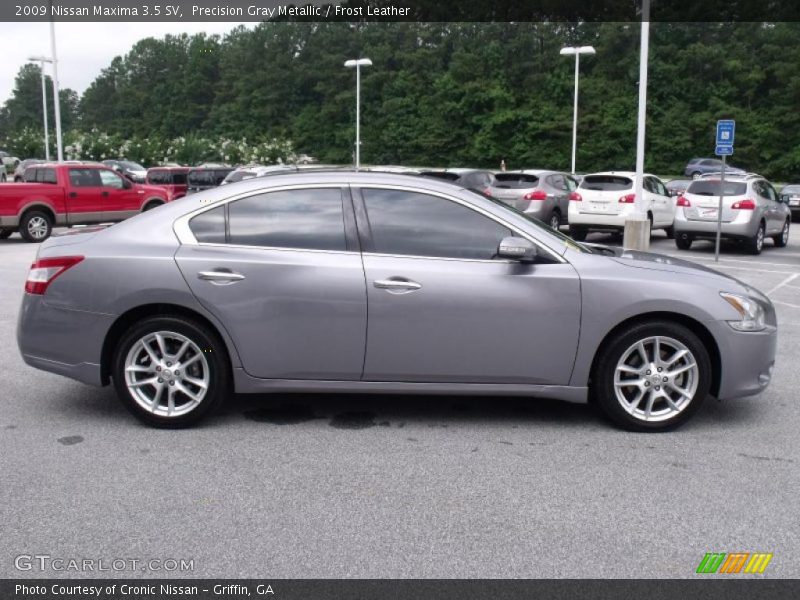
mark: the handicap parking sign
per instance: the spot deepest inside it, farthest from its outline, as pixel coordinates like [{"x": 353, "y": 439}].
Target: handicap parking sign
[{"x": 726, "y": 129}]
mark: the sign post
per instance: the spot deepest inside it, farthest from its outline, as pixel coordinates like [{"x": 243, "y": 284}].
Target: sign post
[{"x": 726, "y": 130}]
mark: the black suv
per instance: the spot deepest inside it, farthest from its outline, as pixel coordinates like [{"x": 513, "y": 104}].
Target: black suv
[{"x": 205, "y": 178}]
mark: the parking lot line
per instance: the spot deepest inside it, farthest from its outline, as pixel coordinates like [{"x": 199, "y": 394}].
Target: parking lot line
[
  {"x": 783, "y": 283},
  {"x": 736, "y": 260},
  {"x": 782, "y": 303}
]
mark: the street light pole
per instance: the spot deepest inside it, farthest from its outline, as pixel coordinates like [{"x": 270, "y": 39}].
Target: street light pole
[
  {"x": 577, "y": 51},
  {"x": 361, "y": 62},
  {"x": 56, "y": 101},
  {"x": 637, "y": 226},
  {"x": 41, "y": 60}
]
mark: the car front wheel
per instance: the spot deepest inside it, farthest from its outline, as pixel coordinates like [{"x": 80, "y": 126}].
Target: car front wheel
[
  {"x": 170, "y": 371},
  {"x": 652, "y": 376}
]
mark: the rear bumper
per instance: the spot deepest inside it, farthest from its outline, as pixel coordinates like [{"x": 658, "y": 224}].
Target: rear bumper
[
  {"x": 739, "y": 228},
  {"x": 599, "y": 222},
  {"x": 62, "y": 341}
]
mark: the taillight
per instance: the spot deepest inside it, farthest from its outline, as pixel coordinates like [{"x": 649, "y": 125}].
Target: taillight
[
  {"x": 535, "y": 195},
  {"x": 744, "y": 204},
  {"x": 575, "y": 197},
  {"x": 683, "y": 201},
  {"x": 627, "y": 199},
  {"x": 488, "y": 191},
  {"x": 44, "y": 271}
]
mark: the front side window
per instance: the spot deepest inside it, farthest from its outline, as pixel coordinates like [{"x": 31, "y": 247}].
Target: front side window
[
  {"x": 110, "y": 179},
  {"x": 415, "y": 224},
  {"x": 310, "y": 219}
]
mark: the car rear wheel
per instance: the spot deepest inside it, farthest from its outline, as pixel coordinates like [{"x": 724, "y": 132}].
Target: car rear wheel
[
  {"x": 5, "y": 233},
  {"x": 35, "y": 226},
  {"x": 2, "y": 175},
  {"x": 170, "y": 371},
  {"x": 783, "y": 237},
  {"x": 683, "y": 241},
  {"x": 555, "y": 220},
  {"x": 756, "y": 243},
  {"x": 151, "y": 205},
  {"x": 577, "y": 233},
  {"x": 670, "y": 231},
  {"x": 652, "y": 376},
  {"x": 696, "y": 175}
]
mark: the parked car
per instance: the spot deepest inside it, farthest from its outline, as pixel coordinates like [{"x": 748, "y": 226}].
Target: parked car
[
  {"x": 541, "y": 194},
  {"x": 132, "y": 170},
  {"x": 8, "y": 165},
  {"x": 305, "y": 159},
  {"x": 204, "y": 178},
  {"x": 19, "y": 172},
  {"x": 172, "y": 179},
  {"x": 676, "y": 187},
  {"x": 472, "y": 179},
  {"x": 751, "y": 211},
  {"x": 605, "y": 200},
  {"x": 790, "y": 194},
  {"x": 250, "y": 171},
  {"x": 264, "y": 286},
  {"x": 699, "y": 166},
  {"x": 67, "y": 195}
]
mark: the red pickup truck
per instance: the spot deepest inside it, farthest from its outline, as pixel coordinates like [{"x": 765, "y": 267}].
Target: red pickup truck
[{"x": 66, "y": 195}]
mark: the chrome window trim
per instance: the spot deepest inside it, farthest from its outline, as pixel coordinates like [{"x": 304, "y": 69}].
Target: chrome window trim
[{"x": 185, "y": 236}]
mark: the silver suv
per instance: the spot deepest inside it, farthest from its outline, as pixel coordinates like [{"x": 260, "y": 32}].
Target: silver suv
[
  {"x": 751, "y": 211},
  {"x": 541, "y": 194}
]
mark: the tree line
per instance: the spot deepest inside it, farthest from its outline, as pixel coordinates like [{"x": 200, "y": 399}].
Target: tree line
[{"x": 454, "y": 94}]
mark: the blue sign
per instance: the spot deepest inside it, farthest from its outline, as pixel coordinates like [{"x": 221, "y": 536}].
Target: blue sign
[
  {"x": 725, "y": 132},
  {"x": 724, "y": 150}
]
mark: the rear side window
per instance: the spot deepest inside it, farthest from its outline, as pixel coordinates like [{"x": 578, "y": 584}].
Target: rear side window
[
  {"x": 712, "y": 187},
  {"x": 158, "y": 177},
  {"x": 310, "y": 219},
  {"x": 606, "y": 183},
  {"x": 414, "y": 224},
  {"x": 201, "y": 178},
  {"x": 209, "y": 227},
  {"x": 179, "y": 178},
  {"x": 516, "y": 181},
  {"x": 39, "y": 175}
]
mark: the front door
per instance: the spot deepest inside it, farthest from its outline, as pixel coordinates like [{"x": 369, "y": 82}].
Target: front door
[
  {"x": 443, "y": 309},
  {"x": 121, "y": 199},
  {"x": 280, "y": 272},
  {"x": 84, "y": 196}
]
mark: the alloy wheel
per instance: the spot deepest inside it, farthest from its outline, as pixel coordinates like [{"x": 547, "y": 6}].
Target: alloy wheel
[
  {"x": 656, "y": 379},
  {"x": 167, "y": 374},
  {"x": 37, "y": 228}
]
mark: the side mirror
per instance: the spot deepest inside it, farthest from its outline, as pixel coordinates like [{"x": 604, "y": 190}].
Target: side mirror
[{"x": 519, "y": 249}]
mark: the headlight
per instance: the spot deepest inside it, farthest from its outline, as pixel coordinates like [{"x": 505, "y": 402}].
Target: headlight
[{"x": 750, "y": 311}]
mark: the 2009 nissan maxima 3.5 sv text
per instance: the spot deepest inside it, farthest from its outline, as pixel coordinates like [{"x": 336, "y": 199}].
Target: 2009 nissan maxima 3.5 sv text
[{"x": 370, "y": 282}]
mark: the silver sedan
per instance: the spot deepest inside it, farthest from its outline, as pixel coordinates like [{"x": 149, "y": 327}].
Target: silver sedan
[{"x": 383, "y": 283}]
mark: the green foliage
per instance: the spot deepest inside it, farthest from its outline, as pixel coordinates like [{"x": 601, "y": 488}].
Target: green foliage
[{"x": 467, "y": 94}]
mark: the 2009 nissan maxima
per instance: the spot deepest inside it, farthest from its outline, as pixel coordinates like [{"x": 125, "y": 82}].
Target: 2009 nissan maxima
[{"x": 368, "y": 282}]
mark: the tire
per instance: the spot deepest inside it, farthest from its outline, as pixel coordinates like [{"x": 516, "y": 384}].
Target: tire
[
  {"x": 683, "y": 241},
  {"x": 5, "y": 233},
  {"x": 206, "y": 361},
  {"x": 151, "y": 205},
  {"x": 621, "y": 361},
  {"x": 3, "y": 176},
  {"x": 577, "y": 233},
  {"x": 35, "y": 226},
  {"x": 18, "y": 180},
  {"x": 755, "y": 244},
  {"x": 670, "y": 231},
  {"x": 696, "y": 175},
  {"x": 782, "y": 239},
  {"x": 555, "y": 220}
]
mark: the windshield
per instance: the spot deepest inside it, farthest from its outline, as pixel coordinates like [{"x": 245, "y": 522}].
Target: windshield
[
  {"x": 606, "y": 183},
  {"x": 131, "y": 166},
  {"x": 791, "y": 189},
  {"x": 568, "y": 241},
  {"x": 713, "y": 187}
]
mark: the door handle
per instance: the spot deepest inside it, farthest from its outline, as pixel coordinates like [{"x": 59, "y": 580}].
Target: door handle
[
  {"x": 398, "y": 285},
  {"x": 73, "y": 194},
  {"x": 220, "y": 276},
  {"x": 104, "y": 193}
]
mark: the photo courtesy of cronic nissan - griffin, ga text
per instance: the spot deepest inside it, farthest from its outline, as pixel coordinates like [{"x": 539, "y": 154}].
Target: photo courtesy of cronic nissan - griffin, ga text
[{"x": 343, "y": 281}]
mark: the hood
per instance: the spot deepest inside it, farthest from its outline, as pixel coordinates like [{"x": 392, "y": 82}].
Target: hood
[{"x": 656, "y": 262}]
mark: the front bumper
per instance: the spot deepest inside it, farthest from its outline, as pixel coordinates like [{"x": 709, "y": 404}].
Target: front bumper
[
  {"x": 62, "y": 341},
  {"x": 746, "y": 358}
]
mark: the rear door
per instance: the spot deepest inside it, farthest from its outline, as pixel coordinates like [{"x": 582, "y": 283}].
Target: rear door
[
  {"x": 282, "y": 271},
  {"x": 663, "y": 205},
  {"x": 84, "y": 196}
]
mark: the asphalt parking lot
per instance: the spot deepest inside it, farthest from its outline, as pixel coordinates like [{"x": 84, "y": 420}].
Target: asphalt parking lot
[{"x": 389, "y": 486}]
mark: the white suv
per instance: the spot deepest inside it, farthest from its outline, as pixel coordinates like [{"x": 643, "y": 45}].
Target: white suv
[
  {"x": 751, "y": 211},
  {"x": 605, "y": 200}
]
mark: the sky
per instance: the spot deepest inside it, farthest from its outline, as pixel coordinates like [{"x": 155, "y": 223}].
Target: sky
[{"x": 84, "y": 49}]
